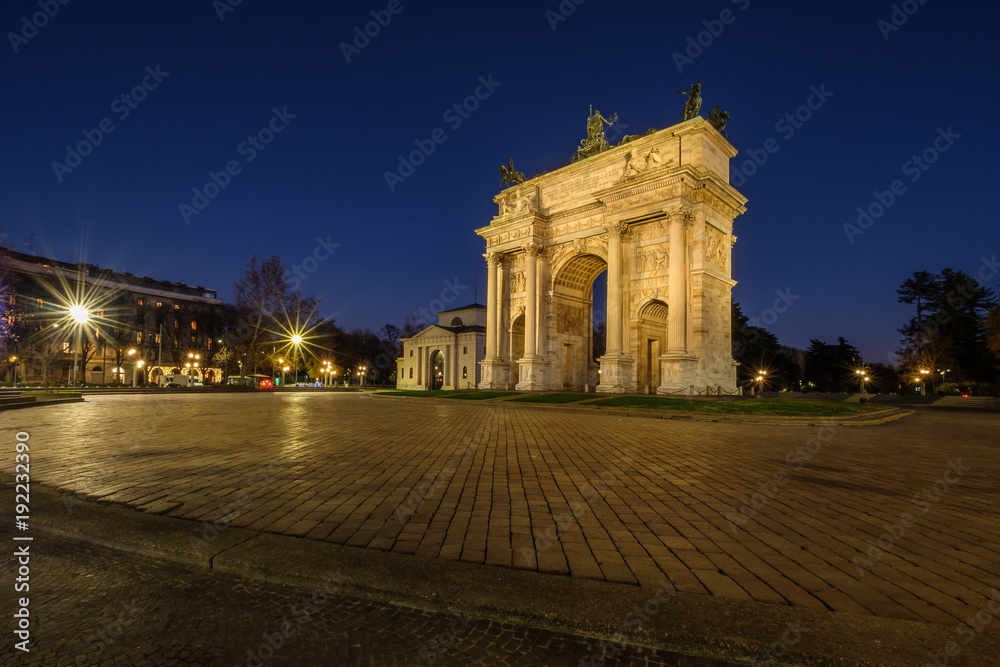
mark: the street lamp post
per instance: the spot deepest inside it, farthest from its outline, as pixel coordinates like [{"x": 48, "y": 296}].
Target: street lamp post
[
  {"x": 14, "y": 361},
  {"x": 130, "y": 353},
  {"x": 863, "y": 378},
  {"x": 296, "y": 341},
  {"x": 81, "y": 315}
]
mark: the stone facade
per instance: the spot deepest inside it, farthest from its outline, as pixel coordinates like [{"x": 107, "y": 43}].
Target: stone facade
[
  {"x": 127, "y": 313},
  {"x": 655, "y": 213},
  {"x": 446, "y": 355}
]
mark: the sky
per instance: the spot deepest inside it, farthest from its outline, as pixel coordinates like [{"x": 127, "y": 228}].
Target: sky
[{"x": 177, "y": 140}]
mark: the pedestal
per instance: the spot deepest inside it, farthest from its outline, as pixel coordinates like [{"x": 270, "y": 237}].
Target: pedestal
[
  {"x": 617, "y": 373},
  {"x": 679, "y": 373},
  {"x": 534, "y": 374},
  {"x": 494, "y": 374}
]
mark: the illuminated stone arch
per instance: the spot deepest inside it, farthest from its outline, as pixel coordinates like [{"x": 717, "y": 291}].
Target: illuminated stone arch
[{"x": 656, "y": 214}]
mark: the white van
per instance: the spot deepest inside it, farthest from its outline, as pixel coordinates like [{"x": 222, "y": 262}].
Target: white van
[{"x": 177, "y": 380}]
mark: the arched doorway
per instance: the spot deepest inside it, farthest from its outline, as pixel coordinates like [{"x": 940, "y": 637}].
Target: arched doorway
[
  {"x": 437, "y": 369},
  {"x": 651, "y": 334},
  {"x": 574, "y": 309}
]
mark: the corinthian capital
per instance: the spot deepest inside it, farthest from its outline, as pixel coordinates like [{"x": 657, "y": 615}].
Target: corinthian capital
[
  {"x": 618, "y": 227},
  {"x": 532, "y": 249}
]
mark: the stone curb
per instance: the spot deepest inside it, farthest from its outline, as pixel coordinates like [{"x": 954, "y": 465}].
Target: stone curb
[
  {"x": 875, "y": 418},
  {"x": 696, "y": 625}
]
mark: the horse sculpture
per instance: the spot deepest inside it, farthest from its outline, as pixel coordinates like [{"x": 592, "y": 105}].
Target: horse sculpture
[{"x": 508, "y": 174}]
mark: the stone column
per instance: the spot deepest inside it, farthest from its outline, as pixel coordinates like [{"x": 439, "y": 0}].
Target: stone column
[
  {"x": 542, "y": 321},
  {"x": 492, "y": 305},
  {"x": 616, "y": 366},
  {"x": 678, "y": 370},
  {"x": 530, "y": 319},
  {"x": 420, "y": 366},
  {"x": 614, "y": 330},
  {"x": 677, "y": 280},
  {"x": 494, "y": 368}
]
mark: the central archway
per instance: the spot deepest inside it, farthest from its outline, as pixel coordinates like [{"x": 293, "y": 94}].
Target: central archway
[
  {"x": 437, "y": 369},
  {"x": 572, "y": 338}
]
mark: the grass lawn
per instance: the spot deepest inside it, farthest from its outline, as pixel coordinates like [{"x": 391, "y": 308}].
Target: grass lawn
[
  {"x": 758, "y": 406},
  {"x": 553, "y": 398},
  {"x": 440, "y": 393}
]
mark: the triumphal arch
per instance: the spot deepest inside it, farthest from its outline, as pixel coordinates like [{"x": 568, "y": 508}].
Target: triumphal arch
[{"x": 656, "y": 212}]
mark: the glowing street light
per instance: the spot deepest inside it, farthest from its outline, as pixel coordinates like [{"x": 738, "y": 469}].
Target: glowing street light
[
  {"x": 863, "y": 378},
  {"x": 130, "y": 353},
  {"x": 80, "y": 315},
  {"x": 296, "y": 341}
]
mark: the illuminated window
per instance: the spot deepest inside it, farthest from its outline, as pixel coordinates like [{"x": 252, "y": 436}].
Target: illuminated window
[
  {"x": 140, "y": 301},
  {"x": 465, "y": 372},
  {"x": 159, "y": 304},
  {"x": 156, "y": 338},
  {"x": 138, "y": 338},
  {"x": 177, "y": 325},
  {"x": 177, "y": 306},
  {"x": 65, "y": 347},
  {"x": 194, "y": 325}
]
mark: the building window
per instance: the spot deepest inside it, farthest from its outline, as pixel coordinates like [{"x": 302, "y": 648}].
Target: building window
[
  {"x": 411, "y": 354},
  {"x": 465, "y": 349},
  {"x": 177, "y": 325},
  {"x": 140, "y": 301},
  {"x": 194, "y": 340},
  {"x": 156, "y": 338},
  {"x": 411, "y": 373},
  {"x": 41, "y": 303},
  {"x": 465, "y": 372},
  {"x": 138, "y": 338},
  {"x": 456, "y": 321},
  {"x": 177, "y": 340},
  {"x": 159, "y": 304},
  {"x": 65, "y": 347},
  {"x": 194, "y": 325},
  {"x": 177, "y": 306}
]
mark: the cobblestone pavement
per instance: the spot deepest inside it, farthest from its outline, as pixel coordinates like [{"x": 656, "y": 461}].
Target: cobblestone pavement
[
  {"x": 898, "y": 520},
  {"x": 99, "y": 606}
]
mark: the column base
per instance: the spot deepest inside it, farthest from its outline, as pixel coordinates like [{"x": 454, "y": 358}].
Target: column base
[
  {"x": 534, "y": 374},
  {"x": 617, "y": 374},
  {"x": 679, "y": 373},
  {"x": 494, "y": 374}
]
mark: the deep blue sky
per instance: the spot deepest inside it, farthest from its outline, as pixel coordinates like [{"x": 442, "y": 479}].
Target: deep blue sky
[{"x": 323, "y": 175}]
